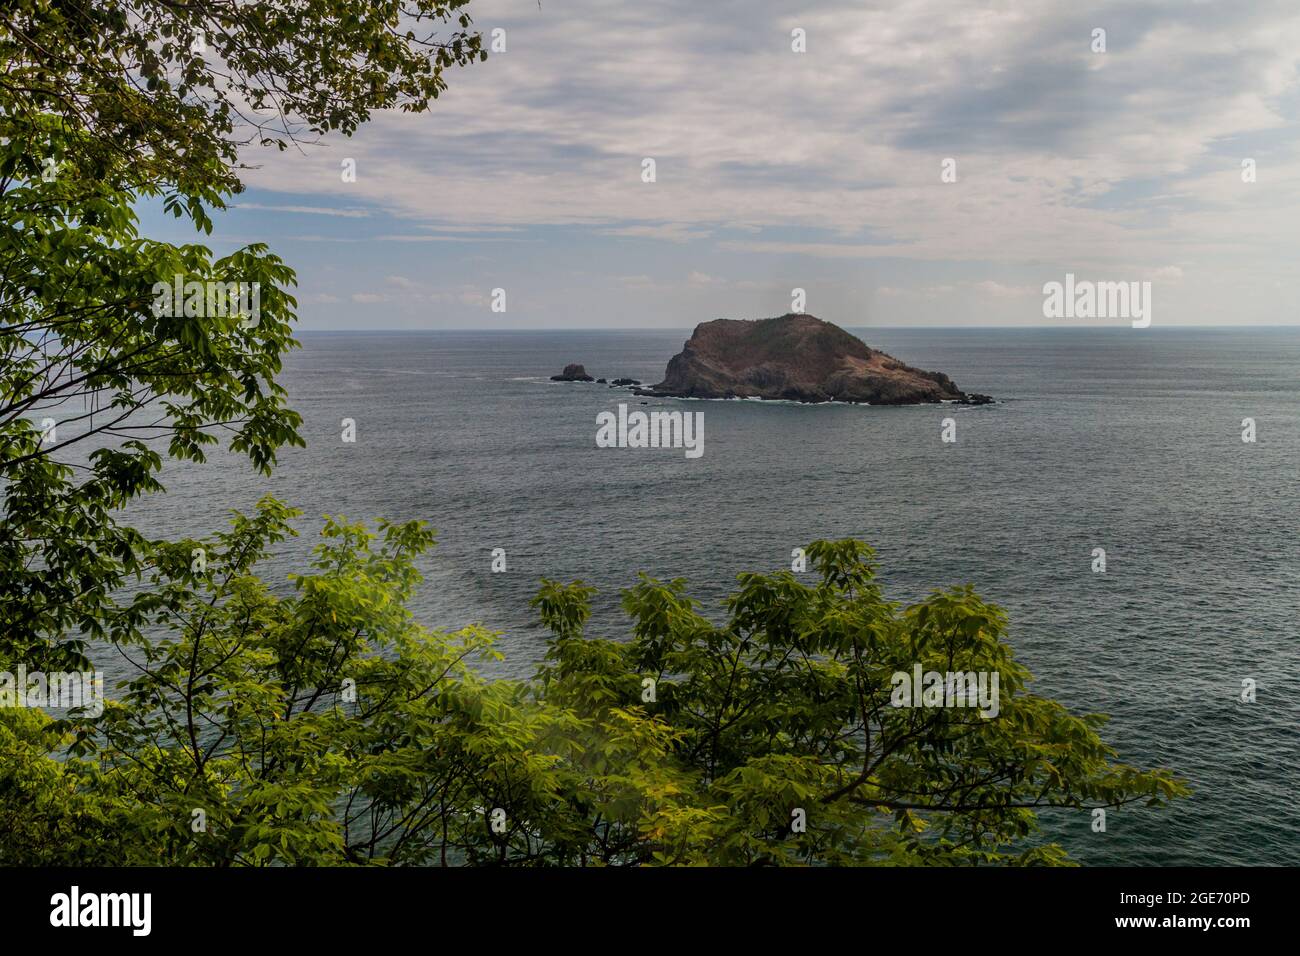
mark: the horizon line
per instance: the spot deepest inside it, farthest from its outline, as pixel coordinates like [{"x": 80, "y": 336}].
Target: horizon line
[{"x": 890, "y": 328}]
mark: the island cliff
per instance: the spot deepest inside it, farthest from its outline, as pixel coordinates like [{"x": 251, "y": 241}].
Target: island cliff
[{"x": 798, "y": 358}]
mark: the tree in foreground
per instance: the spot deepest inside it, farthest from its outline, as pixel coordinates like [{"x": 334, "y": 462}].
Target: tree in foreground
[
  {"x": 329, "y": 727},
  {"x": 105, "y": 104}
]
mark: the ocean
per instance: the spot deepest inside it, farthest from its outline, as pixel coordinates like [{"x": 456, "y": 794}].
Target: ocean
[{"x": 1127, "y": 440}]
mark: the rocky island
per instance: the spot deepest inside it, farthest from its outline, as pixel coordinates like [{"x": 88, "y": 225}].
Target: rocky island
[
  {"x": 800, "y": 358},
  {"x": 572, "y": 373}
]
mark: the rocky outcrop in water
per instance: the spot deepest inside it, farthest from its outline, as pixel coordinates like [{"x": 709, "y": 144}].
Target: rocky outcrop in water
[
  {"x": 572, "y": 373},
  {"x": 798, "y": 358}
]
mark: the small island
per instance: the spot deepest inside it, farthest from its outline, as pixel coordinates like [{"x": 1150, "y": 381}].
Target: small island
[
  {"x": 572, "y": 373},
  {"x": 801, "y": 358}
]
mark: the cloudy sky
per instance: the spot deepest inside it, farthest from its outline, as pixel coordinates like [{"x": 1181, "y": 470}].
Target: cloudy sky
[{"x": 819, "y": 170}]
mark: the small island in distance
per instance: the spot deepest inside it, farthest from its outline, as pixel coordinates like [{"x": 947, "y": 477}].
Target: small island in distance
[
  {"x": 573, "y": 372},
  {"x": 797, "y": 357}
]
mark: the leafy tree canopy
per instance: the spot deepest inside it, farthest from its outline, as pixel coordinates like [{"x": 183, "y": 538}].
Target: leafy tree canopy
[
  {"x": 167, "y": 92},
  {"x": 329, "y": 727},
  {"x": 104, "y": 103}
]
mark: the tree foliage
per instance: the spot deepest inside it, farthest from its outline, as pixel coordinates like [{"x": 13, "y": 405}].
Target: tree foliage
[
  {"x": 105, "y": 104},
  {"x": 166, "y": 93},
  {"x": 329, "y": 727},
  {"x": 95, "y": 388}
]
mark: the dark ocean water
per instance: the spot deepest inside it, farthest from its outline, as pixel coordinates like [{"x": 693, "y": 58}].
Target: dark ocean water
[{"x": 1122, "y": 439}]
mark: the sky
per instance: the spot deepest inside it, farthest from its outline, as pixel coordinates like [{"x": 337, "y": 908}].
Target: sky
[{"x": 821, "y": 170}]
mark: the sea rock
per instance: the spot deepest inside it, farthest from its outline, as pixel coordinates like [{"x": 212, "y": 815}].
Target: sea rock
[
  {"x": 625, "y": 381},
  {"x": 572, "y": 373},
  {"x": 797, "y": 357}
]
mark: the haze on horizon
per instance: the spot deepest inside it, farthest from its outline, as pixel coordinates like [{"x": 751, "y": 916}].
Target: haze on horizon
[{"x": 819, "y": 170}]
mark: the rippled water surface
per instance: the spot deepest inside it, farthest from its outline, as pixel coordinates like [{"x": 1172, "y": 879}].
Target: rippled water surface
[{"x": 1120, "y": 439}]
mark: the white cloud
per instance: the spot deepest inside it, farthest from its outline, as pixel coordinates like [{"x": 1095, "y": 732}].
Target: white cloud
[
  {"x": 309, "y": 210},
  {"x": 1000, "y": 291},
  {"x": 702, "y": 279},
  {"x": 918, "y": 292},
  {"x": 671, "y": 231},
  {"x": 636, "y": 282},
  {"x": 1111, "y": 163},
  {"x": 845, "y": 137}
]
